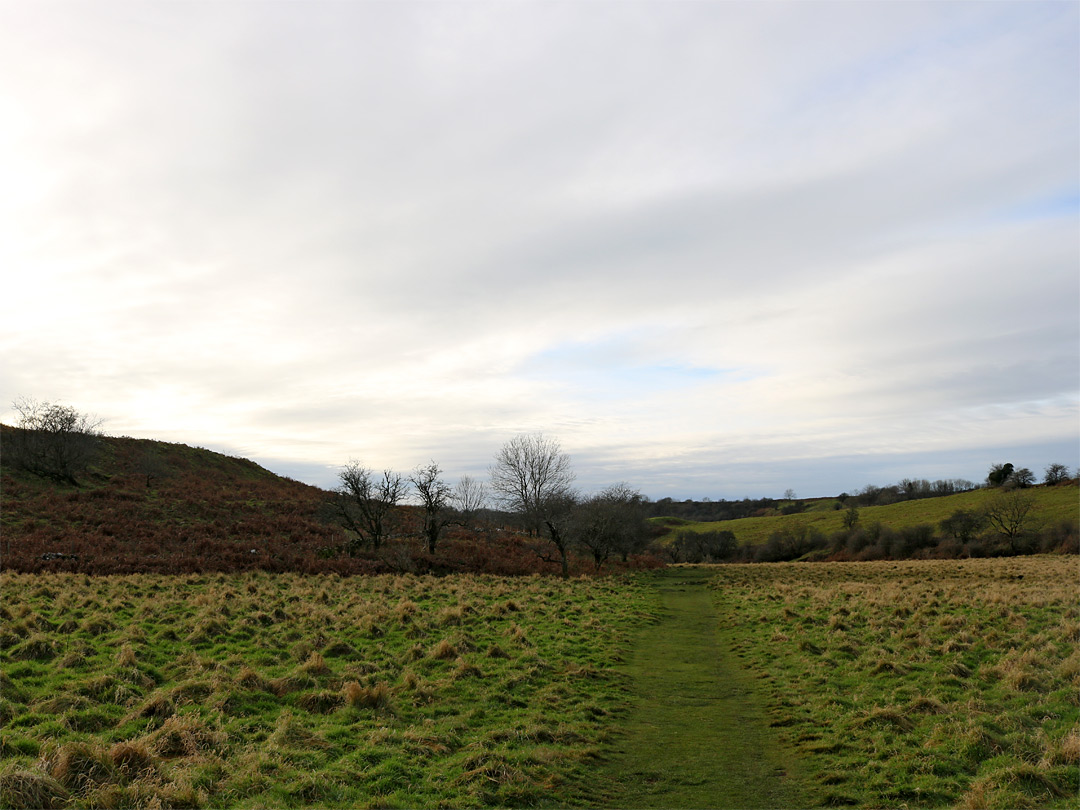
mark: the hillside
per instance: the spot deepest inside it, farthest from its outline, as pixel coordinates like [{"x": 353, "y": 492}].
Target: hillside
[
  {"x": 151, "y": 506},
  {"x": 145, "y": 506},
  {"x": 1053, "y": 505}
]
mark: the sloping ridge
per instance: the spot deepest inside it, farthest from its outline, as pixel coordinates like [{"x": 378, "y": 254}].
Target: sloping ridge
[{"x": 151, "y": 506}]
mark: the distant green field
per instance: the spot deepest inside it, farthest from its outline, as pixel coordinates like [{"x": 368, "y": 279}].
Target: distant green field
[{"x": 1054, "y": 504}]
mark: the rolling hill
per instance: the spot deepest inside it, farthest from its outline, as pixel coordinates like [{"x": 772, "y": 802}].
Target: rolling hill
[{"x": 1053, "y": 505}]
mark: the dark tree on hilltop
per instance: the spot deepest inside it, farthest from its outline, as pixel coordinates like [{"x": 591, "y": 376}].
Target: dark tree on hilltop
[
  {"x": 1022, "y": 478},
  {"x": 365, "y": 503},
  {"x": 53, "y": 441},
  {"x": 1055, "y": 474},
  {"x": 999, "y": 474},
  {"x": 531, "y": 476}
]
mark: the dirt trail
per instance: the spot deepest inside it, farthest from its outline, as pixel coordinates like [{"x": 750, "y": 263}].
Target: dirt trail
[{"x": 695, "y": 737}]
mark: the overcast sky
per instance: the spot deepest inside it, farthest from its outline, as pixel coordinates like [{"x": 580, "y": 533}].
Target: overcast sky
[{"x": 714, "y": 248}]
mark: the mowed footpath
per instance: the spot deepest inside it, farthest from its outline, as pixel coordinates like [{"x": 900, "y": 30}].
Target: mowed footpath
[{"x": 696, "y": 736}]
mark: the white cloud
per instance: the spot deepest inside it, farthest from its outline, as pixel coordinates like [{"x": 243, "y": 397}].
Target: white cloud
[{"x": 685, "y": 238}]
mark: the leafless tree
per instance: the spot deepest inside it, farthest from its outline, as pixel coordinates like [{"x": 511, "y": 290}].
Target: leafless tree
[
  {"x": 1010, "y": 512},
  {"x": 365, "y": 502},
  {"x": 611, "y": 522},
  {"x": 434, "y": 495},
  {"x": 532, "y": 477},
  {"x": 1055, "y": 474},
  {"x": 52, "y": 441},
  {"x": 468, "y": 497}
]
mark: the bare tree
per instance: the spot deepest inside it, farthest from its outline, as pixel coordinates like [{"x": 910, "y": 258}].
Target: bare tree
[
  {"x": 1022, "y": 478},
  {"x": 1009, "y": 511},
  {"x": 532, "y": 477},
  {"x": 611, "y": 522},
  {"x": 366, "y": 503},
  {"x": 434, "y": 494},
  {"x": 53, "y": 441},
  {"x": 1055, "y": 474},
  {"x": 468, "y": 497}
]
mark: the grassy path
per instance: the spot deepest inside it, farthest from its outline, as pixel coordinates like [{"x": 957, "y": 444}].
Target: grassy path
[{"x": 695, "y": 737}]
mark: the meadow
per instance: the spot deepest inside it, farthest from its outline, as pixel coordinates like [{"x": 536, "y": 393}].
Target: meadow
[
  {"x": 918, "y": 683},
  {"x": 1053, "y": 505},
  {"x": 256, "y": 689}
]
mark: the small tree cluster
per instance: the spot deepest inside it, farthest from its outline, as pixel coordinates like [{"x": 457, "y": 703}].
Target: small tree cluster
[
  {"x": 1005, "y": 475},
  {"x": 52, "y": 441}
]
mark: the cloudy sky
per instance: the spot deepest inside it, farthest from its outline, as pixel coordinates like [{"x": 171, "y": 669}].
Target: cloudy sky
[{"x": 714, "y": 248}]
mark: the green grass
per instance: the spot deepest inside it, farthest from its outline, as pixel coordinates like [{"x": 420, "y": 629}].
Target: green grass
[
  {"x": 1053, "y": 505},
  {"x": 262, "y": 690},
  {"x": 920, "y": 684},
  {"x": 696, "y": 735}
]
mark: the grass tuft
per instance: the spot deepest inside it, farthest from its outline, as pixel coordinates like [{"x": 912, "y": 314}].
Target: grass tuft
[
  {"x": 132, "y": 758},
  {"x": 315, "y": 665},
  {"x": 322, "y": 702},
  {"x": 444, "y": 651},
  {"x": 23, "y": 789},
  {"x": 36, "y": 648},
  {"x": 366, "y": 697},
  {"x": 79, "y": 765}
]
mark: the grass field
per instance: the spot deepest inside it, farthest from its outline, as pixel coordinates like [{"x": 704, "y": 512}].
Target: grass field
[
  {"x": 1053, "y": 505},
  {"x": 259, "y": 690},
  {"x": 918, "y": 684},
  {"x": 922, "y": 683}
]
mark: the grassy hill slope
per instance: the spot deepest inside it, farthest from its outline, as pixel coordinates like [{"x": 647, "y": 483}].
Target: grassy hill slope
[
  {"x": 1053, "y": 505},
  {"x": 151, "y": 506}
]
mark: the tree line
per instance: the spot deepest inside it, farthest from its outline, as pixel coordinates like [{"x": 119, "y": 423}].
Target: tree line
[{"x": 531, "y": 483}]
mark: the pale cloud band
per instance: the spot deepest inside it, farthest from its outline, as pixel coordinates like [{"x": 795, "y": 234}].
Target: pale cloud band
[{"x": 704, "y": 244}]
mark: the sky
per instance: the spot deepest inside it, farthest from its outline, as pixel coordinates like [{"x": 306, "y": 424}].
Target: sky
[{"x": 714, "y": 249}]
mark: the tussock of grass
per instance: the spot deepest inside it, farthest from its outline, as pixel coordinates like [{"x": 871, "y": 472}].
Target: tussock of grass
[
  {"x": 466, "y": 669},
  {"x": 126, "y": 656},
  {"x": 132, "y": 758},
  {"x": 315, "y": 665},
  {"x": 367, "y": 697},
  {"x": 322, "y": 702},
  {"x": 157, "y": 705},
  {"x": 444, "y": 651},
  {"x": 291, "y": 733},
  {"x": 25, "y": 789},
  {"x": 36, "y": 648},
  {"x": 340, "y": 649},
  {"x": 185, "y": 737},
  {"x": 78, "y": 765}
]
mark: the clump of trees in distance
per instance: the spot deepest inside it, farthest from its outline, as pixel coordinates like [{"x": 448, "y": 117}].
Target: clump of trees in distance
[
  {"x": 908, "y": 489},
  {"x": 532, "y": 480}
]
